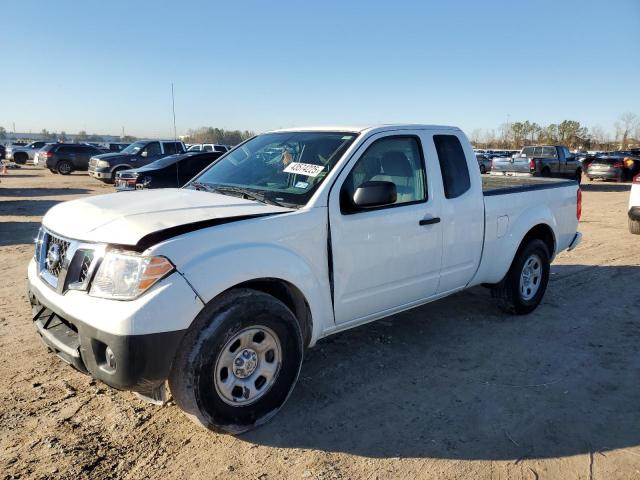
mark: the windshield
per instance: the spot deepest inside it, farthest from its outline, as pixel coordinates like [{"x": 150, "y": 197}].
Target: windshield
[
  {"x": 134, "y": 148},
  {"x": 285, "y": 168}
]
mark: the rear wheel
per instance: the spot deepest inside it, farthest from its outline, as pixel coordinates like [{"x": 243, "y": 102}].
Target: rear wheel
[
  {"x": 20, "y": 158},
  {"x": 483, "y": 169},
  {"x": 64, "y": 167},
  {"x": 522, "y": 289},
  {"x": 546, "y": 172},
  {"x": 238, "y": 363},
  {"x": 634, "y": 226}
]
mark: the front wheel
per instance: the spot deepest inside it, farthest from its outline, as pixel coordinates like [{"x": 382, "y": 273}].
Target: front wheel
[
  {"x": 238, "y": 363},
  {"x": 634, "y": 226},
  {"x": 522, "y": 289}
]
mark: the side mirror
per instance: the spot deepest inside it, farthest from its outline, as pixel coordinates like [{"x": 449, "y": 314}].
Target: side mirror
[
  {"x": 144, "y": 154},
  {"x": 375, "y": 194}
]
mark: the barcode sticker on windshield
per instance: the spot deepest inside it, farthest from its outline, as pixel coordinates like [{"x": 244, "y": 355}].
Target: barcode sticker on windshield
[{"x": 307, "y": 169}]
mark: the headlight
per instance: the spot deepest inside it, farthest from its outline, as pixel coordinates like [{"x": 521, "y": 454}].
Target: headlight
[
  {"x": 102, "y": 164},
  {"x": 126, "y": 275}
]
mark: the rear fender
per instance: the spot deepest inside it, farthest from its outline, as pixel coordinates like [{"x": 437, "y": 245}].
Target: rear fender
[{"x": 498, "y": 253}]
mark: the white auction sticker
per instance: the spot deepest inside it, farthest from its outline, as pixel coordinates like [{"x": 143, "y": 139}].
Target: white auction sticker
[{"x": 307, "y": 169}]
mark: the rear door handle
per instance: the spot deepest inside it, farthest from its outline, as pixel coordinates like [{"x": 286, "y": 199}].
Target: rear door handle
[{"x": 429, "y": 221}]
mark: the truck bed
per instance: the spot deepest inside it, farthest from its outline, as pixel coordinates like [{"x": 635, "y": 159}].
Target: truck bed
[{"x": 493, "y": 185}]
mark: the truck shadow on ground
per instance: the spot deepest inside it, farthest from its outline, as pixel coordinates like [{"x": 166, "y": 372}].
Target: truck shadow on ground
[
  {"x": 459, "y": 379},
  {"x": 17, "y": 233},
  {"x": 26, "y": 208},
  {"x": 605, "y": 187},
  {"x": 41, "y": 192}
]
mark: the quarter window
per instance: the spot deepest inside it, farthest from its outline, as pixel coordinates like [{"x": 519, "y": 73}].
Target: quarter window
[
  {"x": 392, "y": 159},
  {"x": 453, "y": 165},
  {"x": 170, "y": 148}
]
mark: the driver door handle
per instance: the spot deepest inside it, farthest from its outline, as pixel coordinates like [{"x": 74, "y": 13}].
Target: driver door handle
[{"x": 429, "y": 221}]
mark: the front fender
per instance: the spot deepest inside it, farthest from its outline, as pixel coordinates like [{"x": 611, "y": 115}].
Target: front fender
[{"x": 252, "y": 261}]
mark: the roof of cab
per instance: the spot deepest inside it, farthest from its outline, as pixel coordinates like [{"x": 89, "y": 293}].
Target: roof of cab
[{"x": 367, "y": 128}]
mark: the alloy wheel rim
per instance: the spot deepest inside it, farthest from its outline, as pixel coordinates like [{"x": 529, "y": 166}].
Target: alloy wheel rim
[
  {"x": 248, "y": 365},
  {"x": 530, "y": 277}
]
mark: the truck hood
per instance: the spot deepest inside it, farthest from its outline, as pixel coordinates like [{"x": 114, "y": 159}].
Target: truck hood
[{"x": 126, "y": 218}]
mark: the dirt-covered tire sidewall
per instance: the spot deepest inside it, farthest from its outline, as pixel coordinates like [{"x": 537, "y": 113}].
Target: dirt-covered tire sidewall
[
  {"x": 192, "y": 377},
  {"x": 508, "y": 291},
  {"x": 634, "y": 226}
]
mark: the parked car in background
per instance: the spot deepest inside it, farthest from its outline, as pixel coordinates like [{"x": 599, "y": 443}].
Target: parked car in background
[
  {"x": 64, "y": 158},
  {"x": 540, "y": 161},
  {"x": 634, "y": 206},
  {"x": 618, "y": 166},
  {"x": 22, "y": 153},
  {"x": 208, "y": 147},
  {"x": 3, "y": 151},
  {"x": 140, "y": 153},
  {"x": 168, "y": 172},
  {"x": 218, "y": 288},
  {"x": 39, "y": 157},
  {"x": 484, "y": 162}
]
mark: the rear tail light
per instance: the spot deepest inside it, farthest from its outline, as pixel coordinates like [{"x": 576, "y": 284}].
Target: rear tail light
[
  {"x": 636, "y": 179},
  {"x": 532, "y": 165},
  {"x": 618, "y": 165},
  {"x": 48, "y": 154},
  {"x": 579, "y": 204}
]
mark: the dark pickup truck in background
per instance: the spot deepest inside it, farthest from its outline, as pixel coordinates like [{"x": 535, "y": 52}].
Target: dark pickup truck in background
[
  {"x": 138, "y": 154},
  {"x": 540, "y": 161}
]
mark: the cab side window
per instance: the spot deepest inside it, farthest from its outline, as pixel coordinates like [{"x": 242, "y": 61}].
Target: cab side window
[
  {"x": 453, "y": 165},
  {"x": 170, "y": 148},
  {"x": 153, "y": 149},
  {"x": 391, "y": 159}
]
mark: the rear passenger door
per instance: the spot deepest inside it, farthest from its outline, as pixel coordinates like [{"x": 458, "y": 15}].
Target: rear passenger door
[
  {"x": 385, "y": 258},
  {"x": 462, "y": 209}
]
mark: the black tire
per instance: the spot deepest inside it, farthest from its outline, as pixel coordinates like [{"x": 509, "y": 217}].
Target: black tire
[
  {"x": 113, "y": 174},
  {"x": 20, "y": 158},
  {"x": 578, "y": 176},
  {"x": 546, "y": 172},
  {"x": 193, "y": 375},
  {"x": 53, "y": 171},
  {"x": 483, "y": 169},
  {"x": 64, "y": 167},
  {"x": 634, "y": 226},
  {"x": 508, "y": 292}
]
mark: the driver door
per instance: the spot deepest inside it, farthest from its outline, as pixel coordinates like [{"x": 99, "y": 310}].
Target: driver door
[{"x": 386, "y": 258}]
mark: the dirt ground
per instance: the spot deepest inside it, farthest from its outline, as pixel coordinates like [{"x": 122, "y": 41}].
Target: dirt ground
[{"x": 455, "y": 389}]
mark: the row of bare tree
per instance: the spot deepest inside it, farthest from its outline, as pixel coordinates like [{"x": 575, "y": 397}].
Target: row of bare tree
[{"x": 569, "y": 132}]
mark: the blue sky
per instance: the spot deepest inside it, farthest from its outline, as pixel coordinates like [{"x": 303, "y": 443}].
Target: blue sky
[{"x": 98, "y": 66}]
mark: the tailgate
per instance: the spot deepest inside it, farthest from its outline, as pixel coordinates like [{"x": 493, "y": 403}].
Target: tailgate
[{"x": 516, "y": 165}]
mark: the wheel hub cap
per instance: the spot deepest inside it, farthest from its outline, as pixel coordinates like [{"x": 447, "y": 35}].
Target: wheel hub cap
[
  {"x": 248, "y": 365},
  {"x": 531, "y": 277},
  {"x": 245, "y": 363}
]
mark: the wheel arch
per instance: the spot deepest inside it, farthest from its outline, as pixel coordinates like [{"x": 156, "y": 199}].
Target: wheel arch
[
  {"x": 541, "y": 231},
  {"x": 288, "y": 294}
]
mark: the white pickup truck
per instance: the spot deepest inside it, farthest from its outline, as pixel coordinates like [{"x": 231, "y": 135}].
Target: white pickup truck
[{"x": 217, "y": 288}]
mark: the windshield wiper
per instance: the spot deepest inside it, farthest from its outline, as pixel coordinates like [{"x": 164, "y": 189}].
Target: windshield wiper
[
  {"x": 201, "y": 186},
  {"x": 246, "y": 193}
]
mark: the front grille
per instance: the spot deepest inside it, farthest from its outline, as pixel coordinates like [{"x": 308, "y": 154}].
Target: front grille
[
  {"x": 66, "y": 264},
  {"x": 55, "y": 256}
]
